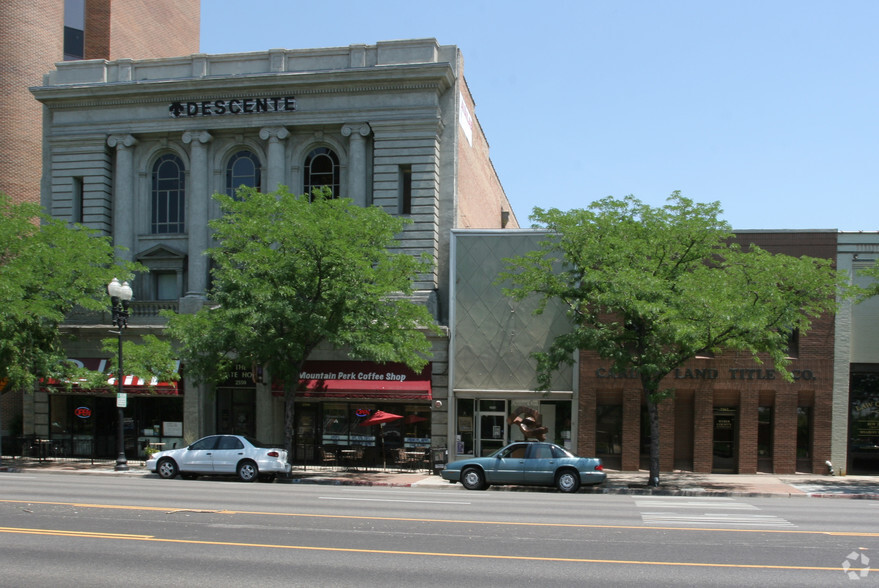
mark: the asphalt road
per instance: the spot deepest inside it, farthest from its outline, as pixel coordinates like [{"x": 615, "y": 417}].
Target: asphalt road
[{"x": 67, "y": 530}]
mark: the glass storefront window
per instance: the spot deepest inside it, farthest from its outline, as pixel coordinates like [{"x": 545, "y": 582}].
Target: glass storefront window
[
  {"x": 335, "y": 424},
  {"x": 236, "y": 411},
  {"x": 416, "y": 426},
  {"x": 342, "y": 425},
  {"x": 609, "y": 429},
  {"x": 556, "y": 417},
  {"x": 863, "y": 429},
  {"x": 804, "y": 431},
  {"x": 465, "y": 426}
]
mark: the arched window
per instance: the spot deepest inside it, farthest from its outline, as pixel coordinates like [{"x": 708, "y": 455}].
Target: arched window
[
  {"x": 169, "y": 195},
  {"x": 242, "y": 170},
  {"x": 322, "y": 169}
]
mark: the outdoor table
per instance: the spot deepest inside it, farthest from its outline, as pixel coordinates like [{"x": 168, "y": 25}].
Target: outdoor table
[{"x": 348, "y": 456}]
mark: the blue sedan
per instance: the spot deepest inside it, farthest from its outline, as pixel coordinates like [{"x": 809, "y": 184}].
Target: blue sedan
[{"x": 529, "y": 464}]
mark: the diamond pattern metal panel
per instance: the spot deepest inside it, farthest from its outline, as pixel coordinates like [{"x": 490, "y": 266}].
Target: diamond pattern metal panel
[{"x": 494, "y": 335}]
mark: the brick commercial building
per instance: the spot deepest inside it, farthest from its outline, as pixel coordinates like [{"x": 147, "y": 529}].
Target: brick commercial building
[
  {"x": 136, "y": 148},
  {"x": 37, "y": 34},
  {"x": 728, "y": 414}
]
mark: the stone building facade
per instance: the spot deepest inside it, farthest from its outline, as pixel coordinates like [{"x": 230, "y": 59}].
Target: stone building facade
[{"x": 136, "y": 148}]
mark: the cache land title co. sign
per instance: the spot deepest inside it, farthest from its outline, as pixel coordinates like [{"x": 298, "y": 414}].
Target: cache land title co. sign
[
  {"x": 232, "y": 106},
  {"x": 713, "y": 374}
]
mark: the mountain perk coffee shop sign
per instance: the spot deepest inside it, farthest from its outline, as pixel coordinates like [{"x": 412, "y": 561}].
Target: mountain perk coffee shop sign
[
  {"x": 232, "y": 106},
  {"x": 739, "y": 374}
]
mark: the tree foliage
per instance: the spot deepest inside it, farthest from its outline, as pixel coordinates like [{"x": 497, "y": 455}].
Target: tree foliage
[
  {"x": 862, "y": 293},
  {"x": 649, "y": 288},
  {"x": 47, "y": 268},
  {"x": 292, "y": 272}
]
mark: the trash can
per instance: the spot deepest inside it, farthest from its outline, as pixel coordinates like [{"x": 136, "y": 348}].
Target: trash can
[{"x": 438, "y": 459}]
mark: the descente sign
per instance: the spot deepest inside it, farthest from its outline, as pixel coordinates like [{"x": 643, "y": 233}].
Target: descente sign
[{"x": 233, "y": 106}]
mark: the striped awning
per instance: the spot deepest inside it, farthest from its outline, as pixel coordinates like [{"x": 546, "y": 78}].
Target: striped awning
[{"x": 130, "y": 384}]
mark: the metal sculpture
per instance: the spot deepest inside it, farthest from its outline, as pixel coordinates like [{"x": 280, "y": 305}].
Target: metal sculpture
[{"x": 528, "y": 421}]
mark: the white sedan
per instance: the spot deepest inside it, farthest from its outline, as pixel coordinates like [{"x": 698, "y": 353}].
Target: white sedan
[{"x": 217, "y": 455}]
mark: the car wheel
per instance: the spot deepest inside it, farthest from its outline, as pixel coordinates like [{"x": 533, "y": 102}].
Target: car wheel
[
  {"x": 567, "y": 481},
  {"x": 166, "y": 468},
  {"x": 473, "y": 479},
  {"x": 247, "y": 471}
]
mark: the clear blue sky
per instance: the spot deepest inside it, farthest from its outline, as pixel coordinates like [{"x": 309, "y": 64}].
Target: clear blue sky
[{"x": 770, "y": 107}]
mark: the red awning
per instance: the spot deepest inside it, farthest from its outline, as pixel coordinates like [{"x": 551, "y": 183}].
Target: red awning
[
  {"x": 417, "y": 390},
  {"x": 361, "y": 380},
  {"x": 130, "y": 384}
]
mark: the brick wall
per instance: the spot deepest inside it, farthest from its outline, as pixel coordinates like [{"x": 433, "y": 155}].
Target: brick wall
[
  {"x": 731, "y": 380},
  {"x": 631, "y": 457},
  {"x": 747, "y": 417},
  {"x": 31, "y": 41},
  {"x": 481, "y": 198},
  {"x": 141, "y": 29},
  {"x": 667, "y": 434},
  {"x": 586, "y": 443}
]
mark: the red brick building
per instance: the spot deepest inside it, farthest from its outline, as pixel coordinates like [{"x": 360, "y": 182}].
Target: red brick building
[
  {"x": 728, "y": 413},
  {"x": 36, "y": 34}
]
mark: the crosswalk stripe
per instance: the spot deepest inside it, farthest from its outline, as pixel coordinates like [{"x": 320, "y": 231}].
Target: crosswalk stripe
[{"x": 709, "y": 516}]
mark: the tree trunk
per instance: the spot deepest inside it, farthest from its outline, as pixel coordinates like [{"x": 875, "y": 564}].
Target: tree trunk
[
  {"x": 289, "y": 413},
  {"x": 653, "y": 417}
]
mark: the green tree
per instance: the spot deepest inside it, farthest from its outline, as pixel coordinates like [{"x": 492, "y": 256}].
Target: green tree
[
  {"x": 649, "y": 288},
  {"x": 46, "y": 269},
  {"x": 291, "y": 272}
]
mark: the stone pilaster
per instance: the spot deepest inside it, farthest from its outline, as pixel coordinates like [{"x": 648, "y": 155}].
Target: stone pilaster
[
  {"x": 276, "y": 155},
  {"x": 197, "y": 211},
  {"x": 123, "y": 194},
  {"x": 357, "y": 134}
]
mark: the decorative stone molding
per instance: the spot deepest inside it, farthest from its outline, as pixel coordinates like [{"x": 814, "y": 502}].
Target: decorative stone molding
[
  {"x": 351, "y": 128},
  {"x": 273, "y": 134},
  {"x": 123, "y": 141},
  {"x": 197, "y": 136}
]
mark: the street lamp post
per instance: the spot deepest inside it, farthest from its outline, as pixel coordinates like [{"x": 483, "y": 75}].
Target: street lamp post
[{"x": 120, "y": 298}]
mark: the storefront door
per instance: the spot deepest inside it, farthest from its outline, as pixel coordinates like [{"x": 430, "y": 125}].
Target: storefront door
[
  {"x": 492, "y": 432},
  {"x": 724, "y": 441},
  {"x": 236, "y": 411},
  {"x": 307, "y": 434}
]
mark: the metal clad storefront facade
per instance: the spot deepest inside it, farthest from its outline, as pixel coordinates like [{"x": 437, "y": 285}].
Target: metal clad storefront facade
[{"x": 492, "y": 342}]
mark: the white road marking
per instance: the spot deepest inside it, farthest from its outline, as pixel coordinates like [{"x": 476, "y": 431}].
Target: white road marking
[
  {"x": 680, "y": 512},
  {"x": 388, "y": 500}
]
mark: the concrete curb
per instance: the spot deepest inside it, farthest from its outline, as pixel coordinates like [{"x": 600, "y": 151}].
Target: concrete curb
[{"x": 622, "y": 483}]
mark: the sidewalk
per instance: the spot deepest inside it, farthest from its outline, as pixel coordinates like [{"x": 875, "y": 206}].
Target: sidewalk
[{"x": 671, "y": 483}]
